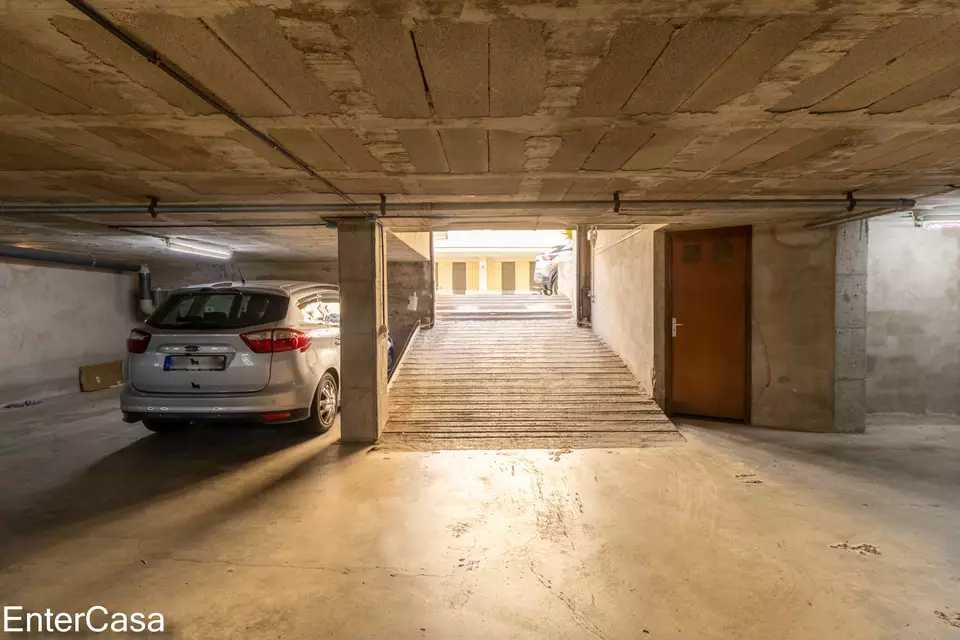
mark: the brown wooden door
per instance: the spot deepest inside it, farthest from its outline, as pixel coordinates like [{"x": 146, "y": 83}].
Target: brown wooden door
[
  {"x": 508, "y": 277},
  {"x": 459, "y": 277},
  {"x": 709, "y": 283}
]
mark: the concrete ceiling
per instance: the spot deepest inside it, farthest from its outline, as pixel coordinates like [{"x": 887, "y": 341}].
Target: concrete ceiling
[{"x": 479, "y": 100}]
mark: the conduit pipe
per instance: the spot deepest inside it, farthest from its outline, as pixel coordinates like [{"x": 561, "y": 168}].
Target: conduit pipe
[
  {"x": 53, "y": 257},
  {"x": 424, "y": 209}
]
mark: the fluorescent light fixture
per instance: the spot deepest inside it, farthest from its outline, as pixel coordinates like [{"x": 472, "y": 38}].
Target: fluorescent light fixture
[{"x": 199, "y": 248}]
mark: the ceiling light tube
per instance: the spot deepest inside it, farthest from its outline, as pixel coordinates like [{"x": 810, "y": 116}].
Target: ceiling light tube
[{"x": 199, "y": 248}]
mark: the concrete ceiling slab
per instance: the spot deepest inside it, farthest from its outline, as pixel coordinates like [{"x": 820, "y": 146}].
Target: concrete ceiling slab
[{"x": 511, "y": 101}]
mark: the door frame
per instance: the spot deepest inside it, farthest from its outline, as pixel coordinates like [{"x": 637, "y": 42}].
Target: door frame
[{"x": 748, "y": 317}]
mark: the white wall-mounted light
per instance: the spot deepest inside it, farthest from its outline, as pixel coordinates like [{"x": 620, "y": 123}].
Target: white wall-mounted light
[{"x": 199, "y": 248}]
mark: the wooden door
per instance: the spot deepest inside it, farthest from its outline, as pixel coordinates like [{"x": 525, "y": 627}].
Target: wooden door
[
  {"x": 459, "y": 277},
  {"x": 508, "y": 277},
  {"x": 707, "y": 316}
]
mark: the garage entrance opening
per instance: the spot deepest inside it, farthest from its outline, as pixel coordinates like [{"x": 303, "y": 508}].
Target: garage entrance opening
[
  {"x": 709, "y": 284},
  {"x": 511, "y": 369}
]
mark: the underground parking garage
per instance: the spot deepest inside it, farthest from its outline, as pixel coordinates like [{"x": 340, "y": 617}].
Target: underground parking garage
[{"x": 735, "y": 416}]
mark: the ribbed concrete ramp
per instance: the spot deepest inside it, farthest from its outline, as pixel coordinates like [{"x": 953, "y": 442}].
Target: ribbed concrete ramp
[{"x": 507, "y": 384}]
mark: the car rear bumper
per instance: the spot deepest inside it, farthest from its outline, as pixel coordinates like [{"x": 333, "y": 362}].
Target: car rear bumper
[{"x": 137, "y": 405}]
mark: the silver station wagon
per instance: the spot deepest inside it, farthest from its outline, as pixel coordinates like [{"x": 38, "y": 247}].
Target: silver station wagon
[{"x": 267, "y": 351}]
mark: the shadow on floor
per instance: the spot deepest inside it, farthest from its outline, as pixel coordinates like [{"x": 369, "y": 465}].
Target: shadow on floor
[
  {"x": 156, "y": 466},
  {"x": 903, "y": 454}
]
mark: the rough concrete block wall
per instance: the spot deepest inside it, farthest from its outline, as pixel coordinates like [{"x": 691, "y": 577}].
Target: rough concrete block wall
[
  {"x": 793, "y": 334},
  {"x": 850, "y": 317},
  {"x": 55, "y": 320},
  {"x": 623, "y": 305},
  {"x": 409, "y": 298},
  {"x": 913, "y": 320}
]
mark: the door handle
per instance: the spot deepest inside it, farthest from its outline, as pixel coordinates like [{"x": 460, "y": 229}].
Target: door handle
[{"x": 673, "y": 327}]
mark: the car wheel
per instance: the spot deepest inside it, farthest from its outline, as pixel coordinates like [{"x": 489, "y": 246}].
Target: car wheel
[
  {"x": 554, "y": 287},
  {"x": 326, "y": 401},
  {"x": 166, "y": 426}
]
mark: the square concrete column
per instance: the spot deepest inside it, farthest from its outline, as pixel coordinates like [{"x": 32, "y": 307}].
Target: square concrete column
[
  {"x": 363, "y": 330},
  {"x": 850, "y": 313}
]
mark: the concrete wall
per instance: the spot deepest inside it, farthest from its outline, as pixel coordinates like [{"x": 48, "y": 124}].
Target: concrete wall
[
  {"x": 567, "y": 281},
  {"x": 409, "y": 298},
  {"x": 55, "y": 320},
  {"x": 792, "y": 341},
  {"x": 913, "y": 320},
  {"x": 624, "y": 298}
]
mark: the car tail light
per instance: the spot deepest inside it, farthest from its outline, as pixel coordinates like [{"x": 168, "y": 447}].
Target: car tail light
[
  {"x": 137, "y": 341},
  {"x": 276, "y": 341},
  {"x": 276, "y": 415}
]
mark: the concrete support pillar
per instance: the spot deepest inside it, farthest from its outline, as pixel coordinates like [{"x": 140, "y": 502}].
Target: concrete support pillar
[
  {"x": 482, "y": 268},
  {"x": 584, "y": 257},
  {"x": 363, "y": 330},
  {"x": 850, "y": 314}
]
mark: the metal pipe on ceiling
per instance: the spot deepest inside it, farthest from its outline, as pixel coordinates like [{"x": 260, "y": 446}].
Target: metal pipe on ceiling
[
  {"x": 13, "y": 252},
  {"x": 854, "y": 217},
  {"x": 424, "y": 209}
]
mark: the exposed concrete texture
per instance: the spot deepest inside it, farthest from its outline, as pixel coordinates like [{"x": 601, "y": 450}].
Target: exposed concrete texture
[
  {"x": 480, "y": 185},
  {"x": 31, "y": 92},
  {"x": 716, "y": 151},
  {"x": 576, "y": 147},
  {"x": 616, "y": 147},
  {"x": 774, "y": 144},
  {"x": 623, "y": 297},
  {"x": 741, "y": 72},
  {"x": 349, "y": 147},
  {"x": 92, "y": 143},
  {"x": 689, "y": 59},
  {"x": 850, "y": 320},
  {"x": 55, "y": 320},
  {"x": 424, "y": 149},
  {"x": 633, "y": 49},
  {"x": 363, "y": 330},
  {"x": 809, "y": 147},
  {"x": 916, "y": 151},
  {"x": 466, "y": 149},
  {"x": 312, "y": 148},
  {"x": 736, "y": 533},
  {"x": 872, "y": 52},
  {"x": 100, "y": 43},
  {"x": 253, "y": 33},
  {"x": 567, "y": 282},
  {"x": 384, "y": 53},
  {"x": 793, "y": 335},
  {"x": 41, "y": 66},
  {"x": 921, "y": 61},
  {"x": 516, "y": 89},
  {"x": 193, "y": 47},
  {"x": 936, "y": 85},
  {"x": 410, "y": 294},
  {"x": 21, "y": 153},
  {"x": 913, "y": 333},
  {"x": 507, "y": 149},
  {"x": 167, "y": 147},
  {"x": 659, "y": 150},
  {"x": 171, "y": 275},
  {"x": 450, "y": 53}
]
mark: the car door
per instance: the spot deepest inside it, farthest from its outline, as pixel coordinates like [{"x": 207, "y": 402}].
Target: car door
[{"x": 320, "y": 319}]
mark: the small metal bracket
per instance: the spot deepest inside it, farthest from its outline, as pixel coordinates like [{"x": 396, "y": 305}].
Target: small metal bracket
[
  {"x": 383, "y": 206},
  {"x": 616, "y": 202},
  {"x": 851, "y": 201},
  {"x": 152, "y": 207}
]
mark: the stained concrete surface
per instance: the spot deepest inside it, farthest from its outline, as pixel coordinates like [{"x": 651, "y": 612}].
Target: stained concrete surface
[{"x": 253, "y": 532}]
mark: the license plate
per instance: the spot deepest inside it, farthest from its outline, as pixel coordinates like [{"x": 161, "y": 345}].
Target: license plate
[{"x": 194, "y": 363}]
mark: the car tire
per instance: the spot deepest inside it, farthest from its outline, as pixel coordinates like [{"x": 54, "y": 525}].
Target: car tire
[
  {"x": 554, "y": 286},
  {"x": 326, "y": 403},
  {"x": 166, "y": 426}
]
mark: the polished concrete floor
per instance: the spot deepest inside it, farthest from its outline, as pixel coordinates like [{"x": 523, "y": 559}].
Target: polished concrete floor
[{"x": 731, "y": 533}]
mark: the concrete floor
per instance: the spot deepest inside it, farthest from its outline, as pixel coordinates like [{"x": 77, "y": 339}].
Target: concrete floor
[{"x": 258, "y": 533}]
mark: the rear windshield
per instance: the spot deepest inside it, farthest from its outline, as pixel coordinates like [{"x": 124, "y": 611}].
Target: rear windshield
[{"x": 218, "y": 310}]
